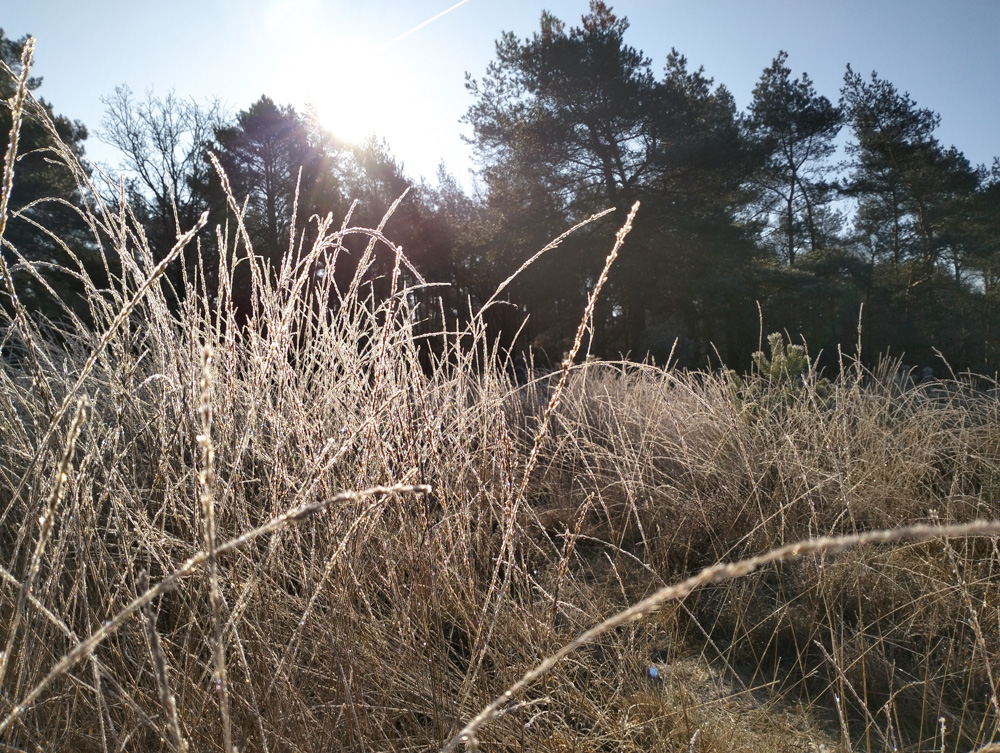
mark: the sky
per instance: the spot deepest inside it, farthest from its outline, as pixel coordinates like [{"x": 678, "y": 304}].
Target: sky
[{"x": 397, "y": 67}]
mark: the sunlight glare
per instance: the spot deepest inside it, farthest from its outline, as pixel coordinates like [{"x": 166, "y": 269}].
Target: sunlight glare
[
  {"x": 351, "y": 81},
  {"x": 359, "y": 101}
]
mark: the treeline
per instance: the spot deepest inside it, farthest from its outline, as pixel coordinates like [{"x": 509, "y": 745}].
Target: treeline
[{"x": 745, "y": 215}]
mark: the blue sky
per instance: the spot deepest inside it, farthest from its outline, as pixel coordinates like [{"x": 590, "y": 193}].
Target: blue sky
[{"x": 946, "y": 54}]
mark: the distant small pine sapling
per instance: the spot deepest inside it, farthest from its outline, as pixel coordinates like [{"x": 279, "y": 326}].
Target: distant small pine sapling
[
  {"x": 786, "y": 372},
  {"x": 787, "y": 365}
]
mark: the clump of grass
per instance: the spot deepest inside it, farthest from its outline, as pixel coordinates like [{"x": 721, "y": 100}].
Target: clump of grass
[
  {"x": 682, "y": 472},
  {"x": 288, "y": 534}
]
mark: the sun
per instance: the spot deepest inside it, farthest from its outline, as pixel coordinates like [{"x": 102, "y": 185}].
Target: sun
[
  {"x": 346, "y": 78},
  {"x": 352, "y": 73},
  {"x": 357, "y": 97}
]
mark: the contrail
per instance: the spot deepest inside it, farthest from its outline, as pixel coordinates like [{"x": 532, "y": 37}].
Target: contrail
[{"x": 421, "y": 25}]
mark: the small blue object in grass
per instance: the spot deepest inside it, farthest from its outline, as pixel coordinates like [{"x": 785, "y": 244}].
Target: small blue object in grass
[{"x": 654, "y": 673}]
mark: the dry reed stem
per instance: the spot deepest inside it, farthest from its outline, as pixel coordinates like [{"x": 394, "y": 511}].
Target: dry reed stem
[
  {"x": 159, "y": 659},
  {"x": 507, "y": 543},
  {"x": 548, "y": 247},
  {"x": 20, "y": 315},
  {"x": 976, "y": 626},
  {"x": 577, "y": 342},
  {"x": 45, "y": 529},
  {"x": 294, "y": 515},
  {"x": 716, "y": 574},
  {"x": 206, "y": 483},
  {"x": 88, "y": 366}
]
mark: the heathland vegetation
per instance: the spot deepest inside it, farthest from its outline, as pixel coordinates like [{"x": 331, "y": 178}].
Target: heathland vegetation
[{"x": 266, "y": 483}]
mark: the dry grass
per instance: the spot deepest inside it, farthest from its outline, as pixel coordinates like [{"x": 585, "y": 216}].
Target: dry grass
[{"x": 186, "y": 564}]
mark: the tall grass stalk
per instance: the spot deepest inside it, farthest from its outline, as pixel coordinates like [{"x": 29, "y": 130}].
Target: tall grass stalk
[{"x": 715, "y": 574}]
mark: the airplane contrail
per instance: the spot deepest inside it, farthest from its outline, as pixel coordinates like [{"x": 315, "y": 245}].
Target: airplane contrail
[{"x": 421, "y": 25}]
